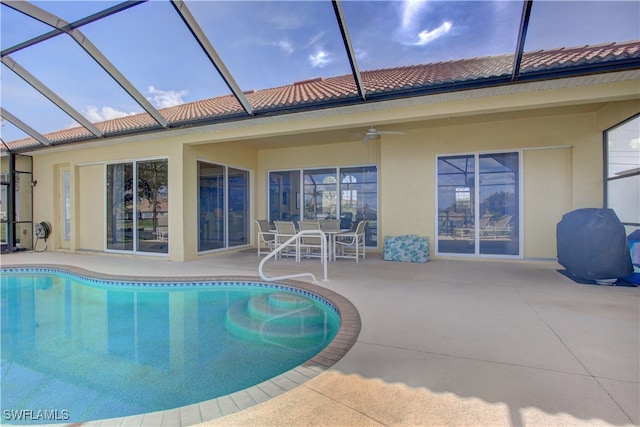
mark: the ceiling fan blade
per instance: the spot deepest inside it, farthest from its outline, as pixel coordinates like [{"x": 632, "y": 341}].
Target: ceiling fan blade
[
  {"x": 391, "y": 132},
  {"x": 373, "y": 133}
]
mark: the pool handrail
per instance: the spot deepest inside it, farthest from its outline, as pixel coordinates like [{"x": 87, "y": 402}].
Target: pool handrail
[{"x": 296, "y": 237}]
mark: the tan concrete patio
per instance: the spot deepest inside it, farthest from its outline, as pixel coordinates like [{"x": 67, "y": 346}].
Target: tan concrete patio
[{"x": 449, "y": 342}]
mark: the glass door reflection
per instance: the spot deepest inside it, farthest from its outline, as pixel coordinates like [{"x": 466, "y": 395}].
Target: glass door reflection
[
  {"x": 499, "y": 204},
  {"x": 479, "y": 204}
]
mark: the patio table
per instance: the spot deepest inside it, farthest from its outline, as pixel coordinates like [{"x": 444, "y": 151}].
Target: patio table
[{"x": 332, "y": 233}]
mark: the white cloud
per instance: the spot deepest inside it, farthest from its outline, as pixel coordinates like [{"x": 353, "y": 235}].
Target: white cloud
[
  {"x": 426, "y": 37},
  {"x": 410, "y": 26},
  {"x": 286, "y": 46},
  {"x": 410, "y": 10},
  {"x": 165, "y": 98},
  {"x": 95, "y": 115},
  {"x": 320, "y": 59},
  {"x": 159, "y": 99}
]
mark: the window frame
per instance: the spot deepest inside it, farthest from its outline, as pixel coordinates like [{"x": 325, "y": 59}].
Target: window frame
[{"x": 606, "y": 168}]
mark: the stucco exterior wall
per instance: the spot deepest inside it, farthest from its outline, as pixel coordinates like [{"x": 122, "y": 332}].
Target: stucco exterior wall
[
  {"x": 87, "y": 176},
  {"x": 88, "y": 207},
  {"x": 556, "y": 179},
  {"x": 547, "y": 195}
]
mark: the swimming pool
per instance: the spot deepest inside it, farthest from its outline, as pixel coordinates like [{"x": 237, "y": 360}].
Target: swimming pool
[{"x": 77, "y": 347}]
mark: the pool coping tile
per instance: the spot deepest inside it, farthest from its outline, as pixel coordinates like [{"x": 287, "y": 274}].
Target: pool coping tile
[
  {"x": 190, "y": 414},
  {"x": 209, "y": 409},
  {"x": 257, "y": 394}
]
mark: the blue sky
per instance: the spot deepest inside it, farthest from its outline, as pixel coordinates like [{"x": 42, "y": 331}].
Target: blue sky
[{"x": 267, "y": 44}]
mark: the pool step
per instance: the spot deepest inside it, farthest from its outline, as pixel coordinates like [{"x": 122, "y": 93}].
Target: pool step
[{"x": 279, "y": 318}]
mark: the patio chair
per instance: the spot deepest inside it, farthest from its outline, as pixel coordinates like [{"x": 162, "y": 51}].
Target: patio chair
[
  {"x": 501, "y": 228},
  {"x": 310, "y": 245},
  {"x": 331, "y": 224},
  {"x": 351, "y": 245},
  {"x": 265, "y": 237},
  {"x": 284, "y": 231},
  {"x": 469, "y": 232}
]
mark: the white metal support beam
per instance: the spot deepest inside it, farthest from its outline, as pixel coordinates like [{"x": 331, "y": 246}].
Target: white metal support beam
[
  {"x": 75, "y": 24},
  {"x": 24, "y": 127},
  {"x": 45, "y": 17},
  {"x": 209, "y": 50},
  {"x": 51, "y": 95}
]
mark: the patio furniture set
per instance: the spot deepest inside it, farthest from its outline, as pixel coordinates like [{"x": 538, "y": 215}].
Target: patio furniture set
[{"x": 341, "y": 242}]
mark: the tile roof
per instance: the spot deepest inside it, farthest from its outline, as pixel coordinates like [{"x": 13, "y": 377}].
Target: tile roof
[{"x": 399, "y": 81}]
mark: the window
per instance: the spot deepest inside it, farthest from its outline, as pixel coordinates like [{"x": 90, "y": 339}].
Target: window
[
  {"x": 359, "y": 192},
  {"x": 478, "y": 198},
  {"x": 137, "y": 215},
  {"x": 284, "y": 196},
  {"x": 348, "y": 193},
  {"x": 223, "y": 206},
  {"x": 622, "y": 180},
  {"x": 320, "y": 194}
]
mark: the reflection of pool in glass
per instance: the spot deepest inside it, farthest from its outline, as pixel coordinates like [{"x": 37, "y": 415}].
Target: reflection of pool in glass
[{"x": 86, "y": 349}]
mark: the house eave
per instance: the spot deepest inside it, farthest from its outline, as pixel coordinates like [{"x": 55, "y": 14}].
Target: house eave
[{"x": 351, "y": 113}]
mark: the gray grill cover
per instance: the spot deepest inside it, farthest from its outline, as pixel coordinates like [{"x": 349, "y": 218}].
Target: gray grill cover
[{"x": 592, "y": 244}]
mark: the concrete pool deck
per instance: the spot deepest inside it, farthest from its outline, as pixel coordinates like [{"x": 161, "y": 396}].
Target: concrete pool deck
[{"x": 449, "y": 342}]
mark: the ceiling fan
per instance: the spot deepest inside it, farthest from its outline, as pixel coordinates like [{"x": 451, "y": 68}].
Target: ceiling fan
[{"x": 373, "y": 133}]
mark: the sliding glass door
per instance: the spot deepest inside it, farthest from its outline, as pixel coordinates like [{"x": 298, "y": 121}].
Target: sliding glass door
[
  {"x": 223, "y": 206},
  {"x": 211, "y": 188},
  {"x": 120, "y": 210},
  {"x": 456, "y": 204},
  {"x": 137, "y": 206},
  {"x": 238, "y": 214},
  {"x": 479, "y": 204}
]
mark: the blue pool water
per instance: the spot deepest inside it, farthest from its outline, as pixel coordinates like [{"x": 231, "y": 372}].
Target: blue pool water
[{"x": 83, "y": 349}]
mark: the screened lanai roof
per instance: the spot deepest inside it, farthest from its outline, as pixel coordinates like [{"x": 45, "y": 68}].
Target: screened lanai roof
[{"x": 88, "y": 70}]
